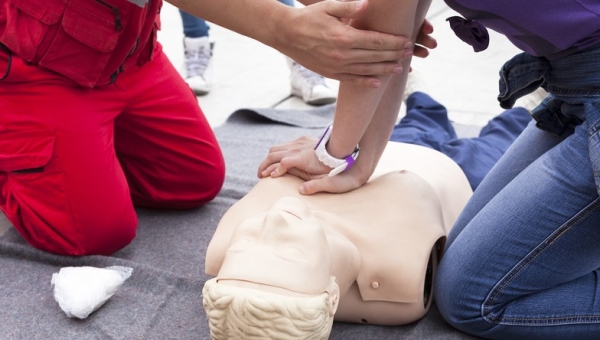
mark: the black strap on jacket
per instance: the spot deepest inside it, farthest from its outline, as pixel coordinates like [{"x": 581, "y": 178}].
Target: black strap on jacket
[{"x": 4, "y": 48}]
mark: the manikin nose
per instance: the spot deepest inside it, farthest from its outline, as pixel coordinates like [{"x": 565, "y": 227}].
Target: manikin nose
[{"x": 273, "y": 220}]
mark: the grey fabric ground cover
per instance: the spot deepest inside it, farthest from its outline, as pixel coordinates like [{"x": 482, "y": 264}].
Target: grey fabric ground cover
[{"x": 162, "y": 298}]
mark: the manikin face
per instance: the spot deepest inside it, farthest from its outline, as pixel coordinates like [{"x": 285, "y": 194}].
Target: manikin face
[{"x": 284, "y": 247}]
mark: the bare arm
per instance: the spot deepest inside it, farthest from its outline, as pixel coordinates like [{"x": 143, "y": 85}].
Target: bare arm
[
  {"x": 363, "y": 115},
  {"x": 314, "y": 36},
  {"x": 424, "y": 40},
  {"x": 367, "y": 116}
]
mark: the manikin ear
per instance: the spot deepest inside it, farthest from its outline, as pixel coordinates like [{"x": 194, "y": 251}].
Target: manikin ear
[{"x": 334, "y": 296}]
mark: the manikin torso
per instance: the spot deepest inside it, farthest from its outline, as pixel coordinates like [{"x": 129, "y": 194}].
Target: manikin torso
[{"x": 381, "y": 242}]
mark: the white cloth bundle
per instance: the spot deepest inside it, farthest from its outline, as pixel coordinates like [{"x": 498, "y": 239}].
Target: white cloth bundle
[{"x": 81, "y": 290}]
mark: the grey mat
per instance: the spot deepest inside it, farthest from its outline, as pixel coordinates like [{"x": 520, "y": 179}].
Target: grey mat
[{"x": 162, "y": 298}]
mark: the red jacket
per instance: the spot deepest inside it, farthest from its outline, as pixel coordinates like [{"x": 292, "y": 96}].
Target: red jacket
[{"x": 88, "y": 41}]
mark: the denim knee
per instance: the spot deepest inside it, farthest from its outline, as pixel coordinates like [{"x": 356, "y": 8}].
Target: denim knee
[{"x": 458, "y": 302}]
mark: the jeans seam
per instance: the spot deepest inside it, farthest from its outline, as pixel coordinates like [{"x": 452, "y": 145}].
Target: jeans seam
[{"x": 486, "y": 307}]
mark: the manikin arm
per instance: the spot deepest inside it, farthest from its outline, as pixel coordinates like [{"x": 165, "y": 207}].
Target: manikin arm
[
  {"x": 363, "y": 116},
  {"x": 314, "y": 36}
]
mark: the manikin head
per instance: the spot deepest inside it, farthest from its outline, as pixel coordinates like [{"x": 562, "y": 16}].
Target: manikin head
[{"x": 275, "y": 279}]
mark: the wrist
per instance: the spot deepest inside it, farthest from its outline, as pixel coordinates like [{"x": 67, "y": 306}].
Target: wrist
[
  {"x": 279, "y": 23},
  {"x": 336, "y": 150},
  {"x": 337, "y": 164}
]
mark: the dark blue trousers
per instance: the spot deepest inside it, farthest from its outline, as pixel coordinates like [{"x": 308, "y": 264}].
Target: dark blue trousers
[{"x": 427, "y": 124}]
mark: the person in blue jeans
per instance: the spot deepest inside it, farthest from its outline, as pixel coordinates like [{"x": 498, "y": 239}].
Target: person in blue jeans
[
  {"x": 305, "y": 84},
  {"x": 426, "y": 123},
  {"x": 523, "y": 259}
]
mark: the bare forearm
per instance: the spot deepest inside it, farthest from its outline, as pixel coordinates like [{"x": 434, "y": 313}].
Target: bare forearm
[
  {"x": 363, "y": 115},
  {"x": 315, "y": 36},
  {"x": 240, "y": 16},
  {"x": 367, "y": 115},
  {"x": 380, "y": 127}
]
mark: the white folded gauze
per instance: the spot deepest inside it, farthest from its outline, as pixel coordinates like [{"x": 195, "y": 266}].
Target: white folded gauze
[{"x": 81, "y": 290}]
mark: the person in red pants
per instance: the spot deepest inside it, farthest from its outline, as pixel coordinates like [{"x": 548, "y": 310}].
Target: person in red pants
[
  {"x": 74, "y": 161},
  {"x": 94, "y": 120}
]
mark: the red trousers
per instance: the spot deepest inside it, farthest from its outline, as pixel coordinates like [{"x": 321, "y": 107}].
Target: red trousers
[{"x": 74, "y": 162}]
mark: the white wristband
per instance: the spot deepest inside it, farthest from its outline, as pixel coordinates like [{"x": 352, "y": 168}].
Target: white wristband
[{"x": 338, "y": 165}]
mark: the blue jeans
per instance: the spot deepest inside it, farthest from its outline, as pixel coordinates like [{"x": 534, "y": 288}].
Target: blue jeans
[
  {"x": 194, "y": 27},
  {"x": 427, "y": 124},
  {"x": 522, "y": 260}
]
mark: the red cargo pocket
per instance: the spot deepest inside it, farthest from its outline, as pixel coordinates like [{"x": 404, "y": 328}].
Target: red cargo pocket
[
  {"x": 27, "y": 23},
  {"x": 84, "y": 42},
  {"x": 27, "y": 151}
]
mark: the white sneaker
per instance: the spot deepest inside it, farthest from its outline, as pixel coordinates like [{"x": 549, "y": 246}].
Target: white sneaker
[
  {"x": 414, "y": 83},
  {"x": 198, "y": 53},
  {"x": 309, "y": 86}
]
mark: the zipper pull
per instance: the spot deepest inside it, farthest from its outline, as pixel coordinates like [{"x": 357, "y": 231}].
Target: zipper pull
[{"x": 118, "y": 25}]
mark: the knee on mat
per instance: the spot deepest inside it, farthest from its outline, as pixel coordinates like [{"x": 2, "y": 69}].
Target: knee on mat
[
  {"x": 200, "y": 193},
  {"x": 84, "y": 238},
  {"x": 187, "y": 192},
  {"x": 458, "y": 305},
  {"x": 202, "y": 187}
]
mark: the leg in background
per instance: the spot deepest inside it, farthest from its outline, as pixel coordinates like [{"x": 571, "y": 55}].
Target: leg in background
[{"x": 198, "y": 52}]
